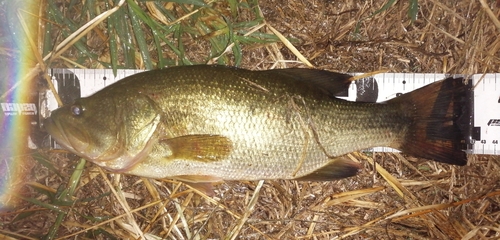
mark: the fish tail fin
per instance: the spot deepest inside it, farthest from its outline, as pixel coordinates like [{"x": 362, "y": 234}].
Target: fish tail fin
[{"x": 440, "y": 121}]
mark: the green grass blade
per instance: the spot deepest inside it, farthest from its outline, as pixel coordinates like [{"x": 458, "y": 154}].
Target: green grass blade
[
  {"x": 169, "y": 43},
  {"x": 48, "y": 41},
  {"x": 23, "y": 215},
  {"x": 53, "y": 230},
  {"x": 180, "y": 44},
  {"x": 140, "y": 35},
  {"x": 386, "y": 6},
  {"x": 161, "y": 61},
  {"x": 233, "y": 5},
  {"x": 159, "y": 32},
  {"x": 94, "y": 233},
  {"x": 67, "y": 27},
  {"x": 100, "y": 196},
  {"x": 43, "y": 190},
  {"x": 66, "y": 197},
  {"x": 113, "y": 48},
  {"x": 254, "y": 5},
  {"x": 44, "y": 162},
  {"x": 125, "y": 37},
  {"x": 90, "y": 9},
  {"x": 167, "y": 13},
  {"x": 413, "y": 10},
  {"x": 43, "y": 204},
  {"x": 238, "y": 53},
  {"x": 233, "y": 38},
  {"x": 194, "y": 2},
  {"x": 75, "y": 177}
]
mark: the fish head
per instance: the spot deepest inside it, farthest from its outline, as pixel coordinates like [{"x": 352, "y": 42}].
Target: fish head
[{"x": 113, "y": 132}]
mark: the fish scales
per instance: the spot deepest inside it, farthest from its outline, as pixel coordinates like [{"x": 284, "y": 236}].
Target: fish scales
[
  {"x": 222, "y": 123},
  {"x": 270, "y": 124}
]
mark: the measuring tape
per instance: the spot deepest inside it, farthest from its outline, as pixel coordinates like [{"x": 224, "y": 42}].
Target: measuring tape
[{"x": 485, "y": 101}]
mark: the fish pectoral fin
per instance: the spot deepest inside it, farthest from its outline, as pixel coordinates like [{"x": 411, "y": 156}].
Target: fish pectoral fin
[
  {"x": 330, "y": 82},
  {"x": 203, "y": 183},
  {"x": 337, "y": 168},
  {"x": 202, "y": 147}
]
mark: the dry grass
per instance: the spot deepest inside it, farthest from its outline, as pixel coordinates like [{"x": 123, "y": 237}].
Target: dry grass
[{"x": 394, "y": 197}]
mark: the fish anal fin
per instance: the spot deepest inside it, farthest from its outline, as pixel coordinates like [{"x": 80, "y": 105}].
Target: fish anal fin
[
  {"x": 338, "y": 168},
  {"x": 203, "y": 183},
  {"x": 202, "y": 147},
  {"x": 330, "y": 82}
]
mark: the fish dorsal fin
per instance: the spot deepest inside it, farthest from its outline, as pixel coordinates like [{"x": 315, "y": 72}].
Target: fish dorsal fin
[
  {"x": 202, "y": 147},
  {"x": 337, "y": 168},
  {"x": 331, "y": 83}
]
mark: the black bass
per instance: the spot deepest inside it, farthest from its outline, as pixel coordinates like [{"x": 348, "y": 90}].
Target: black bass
[{"x": 211, "y": 123}]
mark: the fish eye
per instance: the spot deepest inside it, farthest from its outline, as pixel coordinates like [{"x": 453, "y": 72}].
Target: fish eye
[{"x": 76, "y": 110}]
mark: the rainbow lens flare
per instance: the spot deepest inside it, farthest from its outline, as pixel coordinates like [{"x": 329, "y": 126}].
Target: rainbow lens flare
[{"x": 18, "y": 108}]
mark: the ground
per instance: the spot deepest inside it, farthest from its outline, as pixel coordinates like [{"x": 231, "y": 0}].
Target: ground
[{"x": 399, "y": 197}]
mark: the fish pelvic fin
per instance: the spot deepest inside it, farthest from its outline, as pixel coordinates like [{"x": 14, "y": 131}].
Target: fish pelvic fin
[
  {"x": 204, "y": 183},
  {"x": 438, "y": 112},
  {"x": 338, "y": 168}
]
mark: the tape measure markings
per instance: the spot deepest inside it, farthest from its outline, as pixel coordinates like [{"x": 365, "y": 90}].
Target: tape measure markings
[{"x": 486, "y": 106}]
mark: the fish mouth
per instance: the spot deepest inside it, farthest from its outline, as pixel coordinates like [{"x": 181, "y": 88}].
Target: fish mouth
[
  {"x": 73, "y": 139},
  {"x": 69, "y": 141}
]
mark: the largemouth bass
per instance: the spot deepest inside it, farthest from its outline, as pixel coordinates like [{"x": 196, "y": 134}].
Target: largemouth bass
[{"x": 211, "y": 123}]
